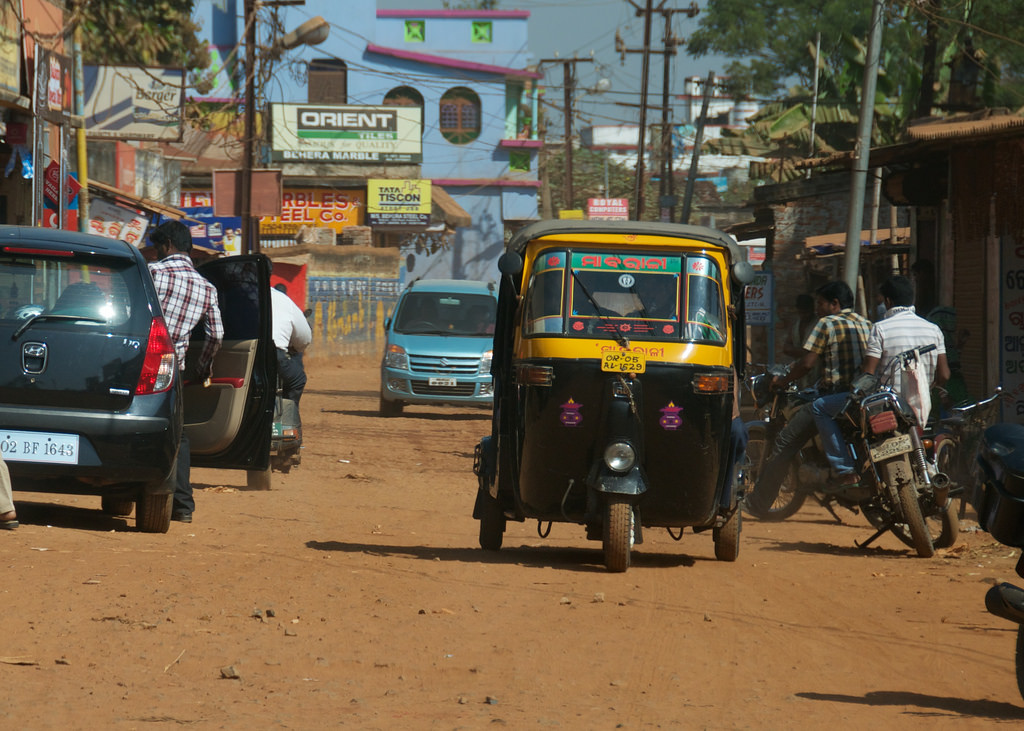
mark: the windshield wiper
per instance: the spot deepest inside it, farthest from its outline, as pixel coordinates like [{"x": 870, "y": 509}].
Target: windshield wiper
[
  {"x": 66, "y": 318},
  {"x": 619, "y": 337}
]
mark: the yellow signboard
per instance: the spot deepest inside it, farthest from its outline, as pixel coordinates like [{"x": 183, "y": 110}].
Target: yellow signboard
[
  {"x": 398, "y": 202},
  {"x": 575, "y": 214}
]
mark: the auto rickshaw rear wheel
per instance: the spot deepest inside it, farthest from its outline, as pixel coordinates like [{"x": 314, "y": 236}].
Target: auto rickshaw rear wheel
[
  {"x": 492, "y": 523},
  {"x": 618, "y": 533},
  {"x": 727, "y": 537}
]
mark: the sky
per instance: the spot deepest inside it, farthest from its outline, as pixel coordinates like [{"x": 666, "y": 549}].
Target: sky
[{"x": 574, "y": 28}]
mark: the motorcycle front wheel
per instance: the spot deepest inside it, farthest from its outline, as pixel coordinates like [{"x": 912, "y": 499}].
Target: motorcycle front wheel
[{"x": 790, "y": 498}]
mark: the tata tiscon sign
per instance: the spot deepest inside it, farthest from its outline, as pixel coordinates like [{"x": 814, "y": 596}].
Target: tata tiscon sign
[{"x": 345, "y": 134}]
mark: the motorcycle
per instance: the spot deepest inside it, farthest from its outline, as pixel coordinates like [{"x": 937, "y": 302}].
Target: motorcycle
[
  {"x": 998, "y": 498},
  {"x": 900, "y": 490}
]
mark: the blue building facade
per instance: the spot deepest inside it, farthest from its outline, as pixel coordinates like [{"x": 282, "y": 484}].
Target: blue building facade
[{"x": 467, "y": 70}]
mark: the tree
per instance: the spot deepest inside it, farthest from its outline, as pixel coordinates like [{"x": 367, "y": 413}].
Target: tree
[
  {"x": 769, "y": 41},
  {"x": 151, "y": 33}
]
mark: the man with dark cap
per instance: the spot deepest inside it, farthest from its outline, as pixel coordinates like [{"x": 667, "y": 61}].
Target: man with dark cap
[{"x": 186, "y": 298}]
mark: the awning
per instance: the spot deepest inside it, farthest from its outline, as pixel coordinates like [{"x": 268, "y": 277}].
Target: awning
[
  {"x": 446, "y": 209},
  {"x": 882, "y": 236},
  {"x": 119, "y": 196},
  {"x": 884, "y": 239}
]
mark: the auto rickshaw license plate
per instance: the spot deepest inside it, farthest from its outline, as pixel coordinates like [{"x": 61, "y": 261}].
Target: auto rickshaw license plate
[
  {"x": 892, "y": 447},
  {"x": 622, "y": 361}
]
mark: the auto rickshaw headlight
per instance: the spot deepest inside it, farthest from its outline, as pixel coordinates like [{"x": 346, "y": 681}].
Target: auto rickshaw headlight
[
  {"x": 620, "y": 456},
  {"x": 485, "y": 363},
  {"x": 395, "y": 357}
]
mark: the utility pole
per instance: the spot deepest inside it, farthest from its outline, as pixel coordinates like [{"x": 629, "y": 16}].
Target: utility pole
[
  {"x": 670, "y": 42},
  {"x": 698, "y": 140},
  {"x": 250, "y": 239},
  {"x": 568, "y": 75},
  {"x": 863, "y": 148}
]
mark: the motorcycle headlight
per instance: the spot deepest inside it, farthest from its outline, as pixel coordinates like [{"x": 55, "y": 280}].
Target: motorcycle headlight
[
  {"x": 395, "y": 357},
  {"x": 485, "y": 363},
  {"x": 619, "y": 456}
]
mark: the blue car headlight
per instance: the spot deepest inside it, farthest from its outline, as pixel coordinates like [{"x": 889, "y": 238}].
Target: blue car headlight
[{"x": 396, "y": 357}]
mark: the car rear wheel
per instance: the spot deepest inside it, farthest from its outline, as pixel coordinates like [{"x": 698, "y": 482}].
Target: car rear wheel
[
  {"x": 153, "y": 512},
  {"x": 258, "y": 479},
  {"x": 118, "y": 507}
]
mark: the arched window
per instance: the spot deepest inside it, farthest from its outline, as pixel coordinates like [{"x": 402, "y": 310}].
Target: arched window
[
  {"x": 403, "y": 96},
  {"x": 327, "y": 81},
  {"x": 460, "y": 115}
]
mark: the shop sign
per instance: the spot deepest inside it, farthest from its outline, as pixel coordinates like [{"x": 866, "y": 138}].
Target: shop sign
[
  {"x": 758, "y": 302},
  {"x": 608, "y": 209},
  {"x": 398, "y": 202},
  {"x": 116, "y": 222},
  {"x": 334, "y": 133},
  {"x": 300, "y": 208},
  {"x": 10, "y": 49},
  {"x": 131, "y": 103},
  {"x": 52, "y": 90}
]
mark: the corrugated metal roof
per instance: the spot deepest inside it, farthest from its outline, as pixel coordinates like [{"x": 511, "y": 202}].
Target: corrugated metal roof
[{"x": 958, "y": 128}]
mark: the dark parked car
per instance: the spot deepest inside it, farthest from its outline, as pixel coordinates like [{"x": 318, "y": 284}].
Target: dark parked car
[{"x": 89, "y": 398}]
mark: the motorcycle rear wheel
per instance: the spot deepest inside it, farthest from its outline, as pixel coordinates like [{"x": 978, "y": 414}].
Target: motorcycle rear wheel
[
  {"x": 790, "y": 498},
  {"x": 921, "y": 539}
]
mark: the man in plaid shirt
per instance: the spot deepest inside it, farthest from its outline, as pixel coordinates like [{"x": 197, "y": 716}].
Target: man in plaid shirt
[
  {"x": 186, "y": 297},
  {"x": 838, "y": 339}
]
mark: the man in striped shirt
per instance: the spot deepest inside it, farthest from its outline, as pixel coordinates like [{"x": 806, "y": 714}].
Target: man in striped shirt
[
  {"x": 186, "y": 298},
  {"x": 838, "y": 339}
]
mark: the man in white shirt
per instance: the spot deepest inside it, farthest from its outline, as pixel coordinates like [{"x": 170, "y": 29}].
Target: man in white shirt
[{"x": 292, "y": 336}]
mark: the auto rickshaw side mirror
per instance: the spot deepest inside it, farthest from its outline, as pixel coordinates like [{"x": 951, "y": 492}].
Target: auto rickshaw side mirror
[
  {"x": 743, "y": 272},
  {"x": 510, "y": 263}
]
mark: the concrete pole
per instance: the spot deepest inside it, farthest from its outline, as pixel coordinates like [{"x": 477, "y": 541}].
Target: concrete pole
[
  {"x": 638, "y": 185},
  {"x": 863, "y": 149},
  {"x": 250, "y": 239}
]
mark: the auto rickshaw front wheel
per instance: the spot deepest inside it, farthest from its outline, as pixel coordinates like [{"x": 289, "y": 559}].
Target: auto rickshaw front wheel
[
  {"x": 727, "y": 537},
  {"x": 618, "y": 533}
]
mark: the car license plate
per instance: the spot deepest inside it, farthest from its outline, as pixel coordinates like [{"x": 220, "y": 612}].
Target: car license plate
[
  {"x": 450, "y": 382},
  {"x": 37, "y": 446},
  {"x": 892, "y": 447},
  {"x": 624, "y": 361}
]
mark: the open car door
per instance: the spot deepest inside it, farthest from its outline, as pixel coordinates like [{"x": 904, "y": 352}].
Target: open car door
[{"x": 229, "y": 422}]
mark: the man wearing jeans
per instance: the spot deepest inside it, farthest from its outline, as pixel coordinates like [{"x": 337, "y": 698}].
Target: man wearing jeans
[{"x": 838, "y": 339}]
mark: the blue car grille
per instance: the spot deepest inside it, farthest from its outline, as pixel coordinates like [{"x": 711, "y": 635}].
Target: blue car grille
[
  {"x": 423, "y": 388},
  {"x": 443, "y": 366}
]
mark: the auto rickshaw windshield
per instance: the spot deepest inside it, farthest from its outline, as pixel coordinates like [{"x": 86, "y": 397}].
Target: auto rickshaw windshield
[{"x": 589, "y": 294}]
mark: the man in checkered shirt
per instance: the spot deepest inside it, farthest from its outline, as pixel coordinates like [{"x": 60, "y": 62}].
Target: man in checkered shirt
[
  {"x": 186, "y": 298},
  {"x": 838, "y": 339}
]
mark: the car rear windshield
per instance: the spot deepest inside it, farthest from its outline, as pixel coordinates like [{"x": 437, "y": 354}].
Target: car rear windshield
[
  {"x": 442, "y": 313},
  {"x": 591, "y": 294},
  {"x": 80, "y": 291}
]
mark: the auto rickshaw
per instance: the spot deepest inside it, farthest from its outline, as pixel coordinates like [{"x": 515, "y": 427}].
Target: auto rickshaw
[{"x": 615, "y": 351}]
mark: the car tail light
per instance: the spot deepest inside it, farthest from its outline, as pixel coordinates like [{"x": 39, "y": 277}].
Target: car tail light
[{"x": 158, "y": 367}]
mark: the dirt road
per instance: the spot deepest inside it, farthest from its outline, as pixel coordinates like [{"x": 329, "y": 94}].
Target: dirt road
[{"x": 353, "y": 594}]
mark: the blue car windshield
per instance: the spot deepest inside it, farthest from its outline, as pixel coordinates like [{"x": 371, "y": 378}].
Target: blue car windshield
[{"x": 445, "y": 313}]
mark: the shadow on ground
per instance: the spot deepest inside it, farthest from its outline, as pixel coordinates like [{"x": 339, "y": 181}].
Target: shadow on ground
[{"x": 925, "y": 704}]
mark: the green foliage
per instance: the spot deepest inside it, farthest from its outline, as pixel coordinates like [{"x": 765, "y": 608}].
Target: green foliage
[{"x": 137, "y": 33}]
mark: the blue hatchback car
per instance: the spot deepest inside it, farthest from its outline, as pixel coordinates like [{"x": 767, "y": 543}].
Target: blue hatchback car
[{"x": 439, "y": 345}]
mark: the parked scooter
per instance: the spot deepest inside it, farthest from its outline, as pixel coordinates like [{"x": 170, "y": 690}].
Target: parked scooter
[
  {"x": 900, "y": 490},
  {"x": 998, "y": 499}
]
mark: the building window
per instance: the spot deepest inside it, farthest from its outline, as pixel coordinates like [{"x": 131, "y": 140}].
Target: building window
[
  {"x": 483, "y": 31},
  {"x": 415, "y": 31},
  {"x": 403, "y": 96},
  {"x": 519, "y": 160},
  {"x": 327, "y": 81},
  {"x": 460, "y": 115}
]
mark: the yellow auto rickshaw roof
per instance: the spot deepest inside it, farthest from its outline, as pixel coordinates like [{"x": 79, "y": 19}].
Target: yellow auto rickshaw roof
[{"x": 555, "y": 228}]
